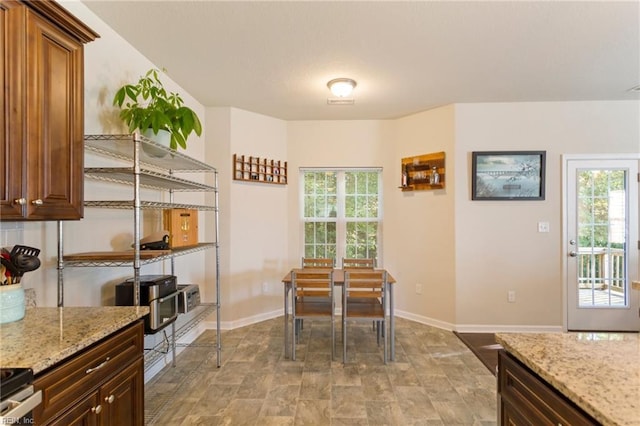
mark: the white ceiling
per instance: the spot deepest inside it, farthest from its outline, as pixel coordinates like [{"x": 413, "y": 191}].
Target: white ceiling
[{"x": 275, "y": 58}]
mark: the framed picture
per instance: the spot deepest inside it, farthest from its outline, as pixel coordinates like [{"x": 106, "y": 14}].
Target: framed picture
[{"x": 507, "y": 175}]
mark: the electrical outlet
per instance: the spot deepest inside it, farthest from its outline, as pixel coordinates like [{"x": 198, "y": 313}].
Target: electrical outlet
[
  {"x": 418, "y": 288},
  {"x": 511, "y": 296}
]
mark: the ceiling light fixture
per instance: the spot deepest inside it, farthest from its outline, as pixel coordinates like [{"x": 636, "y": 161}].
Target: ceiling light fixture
[{"x": 342, "y": 87}]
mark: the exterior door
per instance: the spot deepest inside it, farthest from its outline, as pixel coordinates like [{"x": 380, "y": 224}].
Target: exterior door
[{"x": 602, "y": 244}]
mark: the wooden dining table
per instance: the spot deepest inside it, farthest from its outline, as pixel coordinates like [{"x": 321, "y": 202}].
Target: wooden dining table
[{"x": 338, "y": 280}]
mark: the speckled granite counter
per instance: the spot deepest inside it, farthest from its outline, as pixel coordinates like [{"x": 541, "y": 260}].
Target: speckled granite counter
[
  {"x": 46, "y": 336},
  {"x": 599, "y": 372}
]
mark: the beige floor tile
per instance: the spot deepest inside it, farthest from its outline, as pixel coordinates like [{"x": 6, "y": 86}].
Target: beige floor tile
[{"x": 435, "y": 380}]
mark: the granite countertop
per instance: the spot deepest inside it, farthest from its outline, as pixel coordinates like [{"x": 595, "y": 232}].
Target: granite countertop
[
  {"x": 599, "y": 372},
  {"x": 46, "y": 336}
]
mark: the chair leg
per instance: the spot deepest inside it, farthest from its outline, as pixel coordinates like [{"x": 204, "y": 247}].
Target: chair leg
[
  {"x": 344, "y": 340},
  {"x": 333, "y": 339},
  {"x": 384, "y": 324},
  {"x": 294, "y": 336}
]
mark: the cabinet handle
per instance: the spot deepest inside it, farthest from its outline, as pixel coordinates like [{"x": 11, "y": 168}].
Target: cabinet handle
[
  {"x": 91, "y": 370},
  {"x": 97, "y": 409},
  {"x": 37, "y": 202},
  {"x": 110, "y": 399},
  {"x": 20, "y": 201}
]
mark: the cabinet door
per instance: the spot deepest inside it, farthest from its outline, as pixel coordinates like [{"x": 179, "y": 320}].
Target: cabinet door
[
  {"x": 86, "y": 413},
  {"x": 122, "y": 398},
  {"x": 54, "y": 116},
  {"x": 12, "y": 43},
  {"x": 511, "y": 416}
]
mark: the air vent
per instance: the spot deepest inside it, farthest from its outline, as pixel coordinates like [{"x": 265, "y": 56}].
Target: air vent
[{"x": 340, "y": 101}]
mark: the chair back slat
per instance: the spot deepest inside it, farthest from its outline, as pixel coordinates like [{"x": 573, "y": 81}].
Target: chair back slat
[
  {"x": 312, "y": 283},
  {"x": 318, "y": 262},
  {"x": 352, "y": 263},
  {"x": 358, "y": 281}
]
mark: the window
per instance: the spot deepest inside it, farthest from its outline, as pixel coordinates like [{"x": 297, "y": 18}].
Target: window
[{"x": 341, "y": 212}]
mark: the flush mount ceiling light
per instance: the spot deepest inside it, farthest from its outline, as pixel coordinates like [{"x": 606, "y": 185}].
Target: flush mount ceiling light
[{"x": 341, "y": 87}]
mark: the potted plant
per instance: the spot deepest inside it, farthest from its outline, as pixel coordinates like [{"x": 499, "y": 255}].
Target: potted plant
[{"x": 147, "y": 105}]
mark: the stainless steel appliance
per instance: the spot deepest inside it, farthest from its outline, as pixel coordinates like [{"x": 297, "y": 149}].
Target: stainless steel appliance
[
  {"x": 159, "y": 292},
  {"x": 189, "y": 297},
  {"x": 17, "y": 396}
]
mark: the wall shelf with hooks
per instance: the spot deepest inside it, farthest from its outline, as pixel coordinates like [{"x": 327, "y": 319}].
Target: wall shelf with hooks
[{"x": 423, "y": 172}]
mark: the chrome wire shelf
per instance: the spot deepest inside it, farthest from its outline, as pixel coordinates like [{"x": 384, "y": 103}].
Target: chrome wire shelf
[
  {"x": 146, "y": 205},
  {"x": 148, "y": 179},
  {"x": 153, "y": 355},
  {"x": 129, "y": 262},
  {"x": 122, "y": 146}
]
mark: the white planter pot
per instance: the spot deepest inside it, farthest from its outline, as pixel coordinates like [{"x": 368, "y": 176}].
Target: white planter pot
[{"x": 163, "y": 137}]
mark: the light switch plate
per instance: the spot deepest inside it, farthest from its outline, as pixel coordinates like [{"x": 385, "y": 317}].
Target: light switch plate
[{"x": 543, "y": 226}]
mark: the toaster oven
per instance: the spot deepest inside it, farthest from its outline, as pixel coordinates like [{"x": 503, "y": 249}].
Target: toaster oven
[{"x": 158, "y": 292}]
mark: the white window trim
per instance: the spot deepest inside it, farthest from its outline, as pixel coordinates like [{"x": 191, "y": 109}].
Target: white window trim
[{"x": 340, "y": 223}]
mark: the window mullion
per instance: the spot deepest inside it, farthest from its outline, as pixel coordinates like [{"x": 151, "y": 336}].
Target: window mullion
[{"x": 341, "y": 227}]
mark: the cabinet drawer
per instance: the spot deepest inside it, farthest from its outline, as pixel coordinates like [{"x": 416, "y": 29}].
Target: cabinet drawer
[
  {"x": 71, "y": 380},
  {"x": 533, "y": 398}
]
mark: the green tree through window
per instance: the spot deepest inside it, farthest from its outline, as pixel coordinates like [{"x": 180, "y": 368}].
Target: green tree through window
[{"x": 341, "y": 213}]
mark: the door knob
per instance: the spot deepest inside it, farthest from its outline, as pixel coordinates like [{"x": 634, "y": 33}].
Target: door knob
[
  {"x": 573, "y": 253},
  {"x": 37, "y": 202},
  {"x": 110, "y": 399},
  {"x": 20, "y": 201}
]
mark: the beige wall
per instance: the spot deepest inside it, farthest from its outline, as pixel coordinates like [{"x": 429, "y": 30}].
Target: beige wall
[
  {"x": 498, "y": 247},
  {"x": 420, "y": 235},
  {"x": 253, "y": 216}
]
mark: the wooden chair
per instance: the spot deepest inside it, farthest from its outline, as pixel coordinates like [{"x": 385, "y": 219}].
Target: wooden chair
[
  {"x": 314, "y": 299},
  {"x": 359, "y": 264},
  {"x": 352, "y": 263},
  {"x": 360, "y": 285},
  {"x": 318, "y": 262},
  {"x": 315, "y": 263}
]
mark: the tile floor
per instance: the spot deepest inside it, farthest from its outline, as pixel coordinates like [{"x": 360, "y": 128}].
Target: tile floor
[{"x": 435, "y": 380}]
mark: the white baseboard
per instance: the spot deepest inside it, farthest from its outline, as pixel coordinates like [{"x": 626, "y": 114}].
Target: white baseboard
[{"x": 424, "y": 320}]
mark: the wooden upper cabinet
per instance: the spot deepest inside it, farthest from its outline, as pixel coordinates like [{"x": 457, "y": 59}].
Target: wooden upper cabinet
[{"x": 42, "y": 149}]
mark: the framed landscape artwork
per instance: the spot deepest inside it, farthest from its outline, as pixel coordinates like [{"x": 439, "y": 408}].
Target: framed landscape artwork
[{"x": 507, "y": 175}]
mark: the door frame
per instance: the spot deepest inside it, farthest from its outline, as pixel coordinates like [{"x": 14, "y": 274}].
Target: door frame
[{"x": 565, "y": 241}]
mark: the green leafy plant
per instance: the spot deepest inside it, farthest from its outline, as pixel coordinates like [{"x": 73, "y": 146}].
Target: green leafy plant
[{"x": 147, "y": 105}]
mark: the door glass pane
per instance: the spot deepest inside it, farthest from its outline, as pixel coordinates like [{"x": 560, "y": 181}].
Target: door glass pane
[{"x": 602, "y": 257}]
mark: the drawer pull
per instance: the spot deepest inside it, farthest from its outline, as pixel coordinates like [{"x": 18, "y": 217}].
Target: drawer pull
[
  {"x": 37, "y": 202},
  {"x": 91, "y": 370},
  {"x": 20, "y": 201},
  {"x": 97, "y": 409},
  {"x": 112, "y": 398}
]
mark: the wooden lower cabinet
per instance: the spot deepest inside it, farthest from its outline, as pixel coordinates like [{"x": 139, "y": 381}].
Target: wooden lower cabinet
[
  {"x": 82, "y": 414},
  {"x": 526, "y": 399},
  {"x": 103, "y": 385},
  {"x": 120, "y": 397}
]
